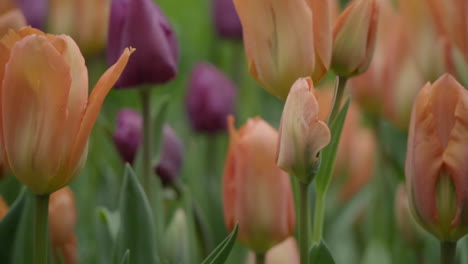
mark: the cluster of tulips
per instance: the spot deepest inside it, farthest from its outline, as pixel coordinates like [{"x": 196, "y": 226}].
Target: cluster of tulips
[{"x": 372, "y": 136}]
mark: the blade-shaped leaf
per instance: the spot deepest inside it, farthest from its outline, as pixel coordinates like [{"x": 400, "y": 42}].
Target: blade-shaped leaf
[
  {"x": 328, "y": 154},
  {"x": 111, "y": 220},
  {"x": 137, "y": 231},
  {"x": 24, "y": 237},
  {"x": 9, "y": 226},
  {"x": 221, "y": 252},
  {"x": 319, "y": 253},
  {"x": 126, "y": 258}
]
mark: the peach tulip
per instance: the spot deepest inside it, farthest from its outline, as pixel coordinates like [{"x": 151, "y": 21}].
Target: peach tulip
[
  {"x": 409, "y": 230},
  {"x": 46, "y": 115},
  {"x": 302, "y": 134},
  {"x": 436, "y": 167},
  {"x": 354, "y": 36},
  {"x": 11, "y": 17},
  {"x": 286, "y": 252},
  {"x": 285, "y": 40},
  {"x": 256, "y": 193}
]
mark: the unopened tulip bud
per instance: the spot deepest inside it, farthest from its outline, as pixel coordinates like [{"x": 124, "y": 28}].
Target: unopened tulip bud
[
  {"x": 210, "y": 99},
  {"x": 226, "y": 20},
  {"x": 3, "y": 208},
  {"x": 302, "y": 134},
  {"x": 10, "y": 17},
  {"x": 285, "y": 252},
  {"x": 354, "y": 37},
  {"x": 141, "y": 24},
  {"x": 172, "y": 157},
  {"x": 436, "y": 159},
  {"x": 286, "y": 40},
  {"x": 408, "y": 228},
  {"x": 127, "y": 134},
  {"x": 47, "y": 115},
  {"x": 177, "y": 242},
  {"x": 35, "y": 12},
  {"x": 256, "y": 193}
]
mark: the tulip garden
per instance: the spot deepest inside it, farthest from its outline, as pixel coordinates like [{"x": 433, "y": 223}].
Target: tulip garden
[{"x": 233, "y": 131}]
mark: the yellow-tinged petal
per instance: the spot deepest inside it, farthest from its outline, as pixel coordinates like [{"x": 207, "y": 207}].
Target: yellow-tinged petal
[
  {"x": 94, "y": 104},
  {"x": 33, "y": 107}
]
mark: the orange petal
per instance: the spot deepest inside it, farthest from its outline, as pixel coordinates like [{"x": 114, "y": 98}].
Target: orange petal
[{"x": 95, "y": 101}]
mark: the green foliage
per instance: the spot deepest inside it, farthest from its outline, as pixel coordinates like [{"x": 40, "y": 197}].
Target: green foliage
[
  {"x": 9, "y": 226},
  {"x": 319, "y": 253},
  {"x": 221, "y": 253}
]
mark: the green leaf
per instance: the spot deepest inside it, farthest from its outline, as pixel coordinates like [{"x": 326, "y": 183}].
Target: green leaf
[
  {"x": 126, "y": 258},
  {"x": 319, "y": 253},
  {"x": 221, "y": 252},
  {"x": 111, "y": 220},
  {"x": 393, "y": 142},
  {"x": 328, "y": 154},
  {"x": 24, "y": 237},
  {"x": 9, "y": 226},
  {"x": 137, "y": 231},
  {"x": 159, "y": 121}
]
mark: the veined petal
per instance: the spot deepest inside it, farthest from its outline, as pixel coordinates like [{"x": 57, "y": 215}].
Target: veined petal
[{"x": 34, "y": 95}]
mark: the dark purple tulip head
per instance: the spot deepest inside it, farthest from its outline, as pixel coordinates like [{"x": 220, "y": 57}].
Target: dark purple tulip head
[
  {"x": 35, "y": 12},
  {"x": 226, "y": 20},
  {"x": 172, "y": 157},
  {"x": 210, "y": 98},
  {"x": 127, "y": 135},
  {"x": 142, "y": 25}
]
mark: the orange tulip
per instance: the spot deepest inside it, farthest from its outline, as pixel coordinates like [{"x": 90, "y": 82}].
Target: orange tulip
[
  {"x": 436, "y": 168},
  {"x": 302, "y": 134},
  {"x": 86, "y": 21},
  {"x": 256, "y": 193},
  {"x": 354, "y": 37},
  {"x": 285, "y": 40},
  {"x": 46, "y": 115},
  {"x": 62, "y": 221},
  {"x": 10, "y": 17},
  {"x": 285, "y": 252}
]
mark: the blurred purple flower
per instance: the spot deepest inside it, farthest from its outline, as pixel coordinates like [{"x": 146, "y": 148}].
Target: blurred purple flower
[
  {"x": 35, "y": 12},
  {"x": 172, "y": 157},
  {"x": 127, "y": 135},
  {"x": 210, "y": 99},
  {"x": 142, "y": 25},
  {"x": 226, "y": 20}
]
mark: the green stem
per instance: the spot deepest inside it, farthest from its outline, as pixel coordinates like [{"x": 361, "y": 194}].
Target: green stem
[
  {"x": 147, "y": 144},
  {"x": 41, "y": 230},
  {"x": 448, "y": 252},
  {"x": 304, "y": 222},
  {"x": 259, "y": 258},
  {"x": 319, "y": 215},
  {"x": 340, "y": 84}
]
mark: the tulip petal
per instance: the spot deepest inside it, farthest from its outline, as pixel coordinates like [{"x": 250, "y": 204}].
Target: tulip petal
[
  {"x": 93, "y": 107},
  {"x": 34, "y": 96}
]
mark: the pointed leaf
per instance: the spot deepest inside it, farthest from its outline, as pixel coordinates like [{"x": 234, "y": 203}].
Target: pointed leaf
[
  {"x": 111, "y": 220},
  {"x": 319, "y": 253},
  {"x": 221, "y": 252},
  {"x": 9, "y": 226},
  {"x": 24, "y": 237},
  {"x": 328, "y": 154},
  {"x": 126, "y": 258}
]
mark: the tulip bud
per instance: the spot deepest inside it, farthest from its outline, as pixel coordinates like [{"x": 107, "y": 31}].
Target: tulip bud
[
  {"x": 172, "y": 157},
  {"x": 226, "y": 20},
  {"x": 35, "y": 12},
  {"x": 3, "y": 208},
  {"x": 86, "y": 21},
  {"x": 43, "y": 138},
  {"x": 210, "y": 99},
  {"x": 141, "y": 24},
  {"x": 177, "y": 243},
  {"x": 285, "y": 252},
  {"x": 256, "y": 193},
  {"x": 302, "y": 134},
  {"x": 127, "y": 134},
  {"x": 435, "y": 161},
  {"x": 354, "y": 37},
  {"x": 10, "y": 17},
  {"x": 408, "y": 228},
  {"x": 286, "y": 40}
]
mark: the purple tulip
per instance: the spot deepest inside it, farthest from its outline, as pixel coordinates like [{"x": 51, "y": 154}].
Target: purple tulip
[
  {"x": 127, "y": 135},
  {"x": 226, "y": 20},
  {"x": 210, "y": 99},
  {"x": 35, "y": 12},
  {"x": 142, "y": 25},
  {"x": 172, "y": 157}
]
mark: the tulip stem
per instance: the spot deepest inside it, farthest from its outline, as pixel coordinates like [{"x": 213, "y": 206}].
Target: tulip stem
[
  {"x": 259, "y": 258},
  {"x": 304, "y": 222},
  {"x": 147, "y": 144},
  {"x": 319, "y": 215},
  {"x": 447, "y": 252},
  {"x": 41, "y": 229},
  {"x": 340, "y": 84}
]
